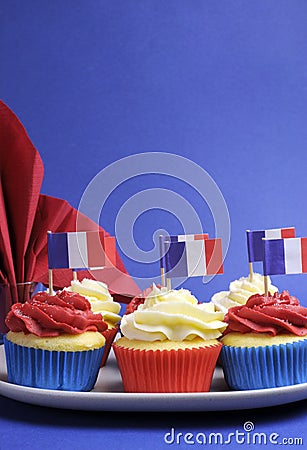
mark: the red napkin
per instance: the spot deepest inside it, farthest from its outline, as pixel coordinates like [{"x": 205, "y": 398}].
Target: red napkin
[
  {"x": 26, "y": 215},
  {"x": 7, "y": 267},
  {"x": 21, "y": 175}
]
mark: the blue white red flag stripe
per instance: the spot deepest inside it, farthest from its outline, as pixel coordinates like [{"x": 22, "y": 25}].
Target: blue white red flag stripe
[
  {"x": 186, "y": 257},
  {"x": 166, "y": 240},
  {"x": 191, "y": 237},
  {"x": 214, "y": 256},
  {"x": 80, "y": 250},
  {"x": 285, "y": 256},
  {"x": 255, "y": 240}
]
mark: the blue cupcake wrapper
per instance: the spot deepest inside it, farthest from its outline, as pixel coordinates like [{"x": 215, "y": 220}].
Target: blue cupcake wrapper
[
  {"x": 265, "y": 367},
  {"x": 69, "y": 371}
]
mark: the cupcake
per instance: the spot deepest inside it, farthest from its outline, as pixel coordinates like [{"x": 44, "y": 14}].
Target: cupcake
[
  {"x": 54, "y": 342},
  {"x": 265, "y": 343},
  {"x": 239, "y": 292},
  {"x": 169, "y": 343},
  {"x": 101, "y": 301}
]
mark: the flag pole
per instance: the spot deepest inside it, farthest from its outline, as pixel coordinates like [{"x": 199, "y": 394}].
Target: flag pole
[
  {"x": 251, "y": 273},
  {"x": 169, "y": 284},
  {"x": 163, "y": 277},
  {"x": 250, "y": 264},
  {"x": 266, "y": 285},
  {"x": 50, "y": 274},
  {"x": 162, "y": 268},
  {"x": 266, "y": 279},
  {"x": 50, "y": 282}
]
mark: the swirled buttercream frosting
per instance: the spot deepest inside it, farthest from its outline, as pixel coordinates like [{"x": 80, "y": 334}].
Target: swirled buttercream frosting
[
  {"x": 175, "y": 315},
  {"x": 101, "y": 301},
  {"x": 271, "y": 314},
  {"x": 239, "y": 292},
  {"x": 53, "y": 315}
]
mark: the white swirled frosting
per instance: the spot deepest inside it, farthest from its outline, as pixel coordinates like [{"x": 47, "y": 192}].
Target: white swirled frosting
[
  {"x": 239, "y": 292},
  {"x": 174, "y": 315},
  {"x": 97, "y": 293}
]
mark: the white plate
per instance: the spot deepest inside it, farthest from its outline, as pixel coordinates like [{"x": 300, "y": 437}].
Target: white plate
[{"x": 108, "y": 395}]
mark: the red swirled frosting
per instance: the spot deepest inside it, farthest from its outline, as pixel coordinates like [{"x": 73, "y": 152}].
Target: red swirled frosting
[
  {"x": 52, "y": 315},
  {"x": 272, "y": 314}
]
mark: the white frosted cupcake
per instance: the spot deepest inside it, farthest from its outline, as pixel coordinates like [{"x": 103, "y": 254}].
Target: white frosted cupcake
[{"x": 169, "y": 344}]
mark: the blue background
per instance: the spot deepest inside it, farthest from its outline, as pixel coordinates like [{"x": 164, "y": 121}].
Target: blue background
[{"x": 222, "y": 83}]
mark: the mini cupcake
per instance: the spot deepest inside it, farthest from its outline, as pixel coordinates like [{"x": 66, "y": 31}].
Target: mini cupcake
[
  {"x": 169, "y": 343},
  {"x": 265, "y": 343},
  {"x": 101, "y": 301},
  {"x": 239, "y": 292},
  {"x": 54, "y": 342}
]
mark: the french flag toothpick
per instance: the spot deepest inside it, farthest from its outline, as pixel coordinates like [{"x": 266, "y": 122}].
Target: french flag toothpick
[
  {"x": 80, "y": 250},
  {"x": 284, "y": 256},
  {"x": 190, "y": 256},
  {"x": 256, "y": 238}
]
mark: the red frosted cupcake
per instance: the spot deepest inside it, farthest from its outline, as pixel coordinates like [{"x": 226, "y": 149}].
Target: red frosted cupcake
[
  {"x": 54, "y": 342},
  {"x": 169, "y": 343},
  {"x": 265, "y": 343}
]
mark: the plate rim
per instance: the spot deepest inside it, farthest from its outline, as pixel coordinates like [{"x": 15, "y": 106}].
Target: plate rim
[{"x": 163, "y": 402}]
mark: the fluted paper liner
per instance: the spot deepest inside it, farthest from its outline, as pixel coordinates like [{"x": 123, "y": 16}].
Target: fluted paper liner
[
  {"x": 265, "y": 367},
  {"x": 71, "y": 371},
  {"x": 109, "y": 335},
  {"x": 188, "y": 370}
]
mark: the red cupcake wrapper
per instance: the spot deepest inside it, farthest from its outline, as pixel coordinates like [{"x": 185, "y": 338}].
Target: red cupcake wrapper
[
  {"x": 188, "y": 370},
  {"x": 109, "y": 335}
]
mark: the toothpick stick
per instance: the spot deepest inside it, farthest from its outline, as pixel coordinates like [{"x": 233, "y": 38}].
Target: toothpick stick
[
  {"x": 163, "y": 277},
  {"x": 266, "y": 284},
  {"x": 74, "y": 274},
  {"x": 169, "y": 284},
  {"x": 50, "y": 282},
  {"x": 251, "y": 273},
  {"x": 266, "y": 278}
]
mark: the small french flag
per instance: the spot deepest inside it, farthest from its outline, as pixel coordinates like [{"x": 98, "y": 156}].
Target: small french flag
[
  {"x": 191, "y": 255},
  {"x": 285, "y": 256},
  {"x": 255, "y": 240},
  {"x": 81, "y": 250}
]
